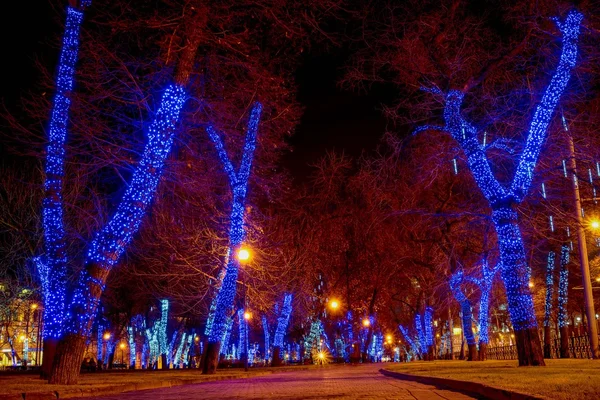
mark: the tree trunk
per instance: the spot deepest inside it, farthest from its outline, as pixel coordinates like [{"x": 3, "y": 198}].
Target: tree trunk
[
  {"x": 515, "y": 276},
  {"x": 276, "y": 360},
  {"x": 472, "y": 352},
  {"x": 165, "y": 364},
  {"x": 49, "y": 350},
  {"x": 564, "y": 342},
  {"x": 547, "y": 342},
  {"x": 67, "y": 360},
  {"x": 482, "y": 351},
  {"x": 529, "y": 347},
  {"x": 211, "y": 360}
]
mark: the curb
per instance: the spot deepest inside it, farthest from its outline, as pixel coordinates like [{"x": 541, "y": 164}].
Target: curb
[
  {"x": 478, "y": 390},
  {"x": 132, "y": 387}
]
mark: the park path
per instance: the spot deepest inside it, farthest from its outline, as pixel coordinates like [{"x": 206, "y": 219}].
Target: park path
[{"x": 335, "y": 382}]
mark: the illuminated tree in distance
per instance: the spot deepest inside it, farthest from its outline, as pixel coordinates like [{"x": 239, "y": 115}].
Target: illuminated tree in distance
[
  {"x": 282, "y": 324},
  {"x": 503, "y": 199},
  {"x": 265, "y": 325},
  {"x": 548, "y": 304},
  {"x": 238, "y": 182},
  {"x": 563, "y": 297},
  {"x": 485, "y": 287}
]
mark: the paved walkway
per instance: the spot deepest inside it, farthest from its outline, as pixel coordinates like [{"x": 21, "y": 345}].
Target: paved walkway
[{"x": 335, "y": 382}]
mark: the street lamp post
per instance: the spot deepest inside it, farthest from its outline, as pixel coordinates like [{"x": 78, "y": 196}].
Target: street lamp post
[
  {"x": 243, "y": 256},
  {"x": 585, "y": 268}
]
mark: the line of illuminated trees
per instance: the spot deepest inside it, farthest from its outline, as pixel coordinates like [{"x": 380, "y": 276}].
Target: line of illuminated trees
[{"x": 70, "y": 310}]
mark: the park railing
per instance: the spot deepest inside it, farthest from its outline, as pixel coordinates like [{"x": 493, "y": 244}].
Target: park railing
[{"x": 579, "y": 347}]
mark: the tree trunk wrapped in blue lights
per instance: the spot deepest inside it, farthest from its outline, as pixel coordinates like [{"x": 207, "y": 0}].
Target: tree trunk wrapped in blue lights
[
  {"x": 239, "y": 186},
  {"x": 503, "y": 199},
  {"x": 111, "y": 241},
  {"x": 563, "y": 297},
  {"x": 265, "y": 325},
  {"x": 52, "y": 268},
  {"x": 485, "y": 287},
  {"x": 548, "y": 305},
  {"x": 282, "y": 324},
  {"x": 412, "y": 341},
  {"x": 467, "y": 315}
]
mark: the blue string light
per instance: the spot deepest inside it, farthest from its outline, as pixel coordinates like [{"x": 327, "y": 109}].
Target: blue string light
[
  {"x": 265, "y": 325},
  {"x": 162, "y": 333},
  {"x": 243, "y": 335},
  {"x": 515, "y": 271},
  {"x": 227, "y": 336},
  {"x": 549, "y": 288},
  {"x": 455, "y": 282},
  {"x": 239, "y": 185},
  {"x": 110, "y": 243},
  {"x": 411, "y": 341},
  {"x": 563, "y": 287},
  {"x": 54, "y": 273},
  {"x": 283, "y": 320},
  {"x": 428, "y": 322}
]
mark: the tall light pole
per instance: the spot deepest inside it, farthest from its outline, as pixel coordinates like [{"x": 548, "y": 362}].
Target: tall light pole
[
  {"x": 243, "y": 256},
  {"x": 583, "y": 257}
]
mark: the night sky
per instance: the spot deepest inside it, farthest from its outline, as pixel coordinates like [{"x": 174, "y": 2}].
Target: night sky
[{"x": 333, "y": 119}]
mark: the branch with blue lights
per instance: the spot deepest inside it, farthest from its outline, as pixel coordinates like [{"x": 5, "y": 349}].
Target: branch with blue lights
[
  {"x": 504, "y": 198},
  {"x": 413, "y": 342},
  {"x": 110, "y": 243},
  {"x": 238, "y": 182},
  {"x": 76, "y": 318},
  {"x": 52, "y": 268}
]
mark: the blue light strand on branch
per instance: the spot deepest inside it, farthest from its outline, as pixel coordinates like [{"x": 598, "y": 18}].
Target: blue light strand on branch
[
  {"x": 110, "y": 242},
  {"x": 239, "y": 186},
  {"x": 563, "y": 287},
  {"x": 538, "y": 130},
  {"x": 549, "y": 288},
  {"x": 54, "y": 278},
  {"x": 283, "y": 320}
]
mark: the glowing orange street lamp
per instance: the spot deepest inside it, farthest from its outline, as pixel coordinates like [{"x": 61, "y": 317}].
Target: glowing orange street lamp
[
  {"x": 247, "y": 315},
  {"x": 595, "y": 224},
  {"x": 334, "y": 304},
  {"x": 366, "y": 322},
  {"x": 106, "y": 336},
  {"x": 243, "y": 254}
]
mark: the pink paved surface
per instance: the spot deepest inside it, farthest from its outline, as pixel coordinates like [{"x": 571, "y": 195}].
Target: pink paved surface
[{"x": 335, "y": 382}]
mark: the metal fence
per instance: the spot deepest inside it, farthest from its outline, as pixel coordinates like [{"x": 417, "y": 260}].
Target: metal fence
[{"x": 579, "y": 347}]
